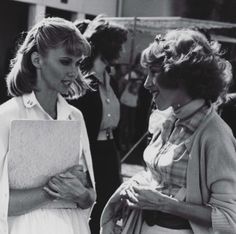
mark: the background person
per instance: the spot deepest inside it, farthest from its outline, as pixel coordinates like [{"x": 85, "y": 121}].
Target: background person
[
  {"x": 129, "y": 102},
  {"x": 190, "y": 183},
  {"x": 44, "y": 69},
  {"x": 101, "y": 108}
]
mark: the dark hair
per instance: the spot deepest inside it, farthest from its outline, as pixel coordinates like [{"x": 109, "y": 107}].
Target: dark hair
[
  {"x": 106, "y": 39},
  {"x": 186, "y": 58},
  {"x": 49, "y": 33},
  {"x": 82, "y": 24}
]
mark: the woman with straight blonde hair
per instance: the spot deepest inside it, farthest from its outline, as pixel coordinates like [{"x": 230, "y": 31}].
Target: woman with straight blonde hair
[{"x": 44, "y": 71}]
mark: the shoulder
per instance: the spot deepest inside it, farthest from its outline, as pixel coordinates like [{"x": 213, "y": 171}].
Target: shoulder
[
  {"x": 11, "y": 108},
  {"x": 215, "y": 142},
  {"x": 212, "y": 136},
  {"x": 213, "y": 126},
  {"x": 217, "y": 128},
  {"x": 9, "y": 111}
]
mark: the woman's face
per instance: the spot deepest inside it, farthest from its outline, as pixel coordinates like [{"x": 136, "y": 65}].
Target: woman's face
[
  {"x": 58, "y": 70},
  {"x": 163, "y": 97}
]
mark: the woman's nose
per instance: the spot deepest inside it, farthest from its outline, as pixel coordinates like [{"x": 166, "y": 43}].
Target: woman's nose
[{"x": 72, "y": 75}]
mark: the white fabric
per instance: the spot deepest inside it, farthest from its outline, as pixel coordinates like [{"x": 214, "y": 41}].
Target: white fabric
[
  {"x": 161, "y": 230},
  {"x": 50, "y": 221},
  {"x": 41, "y": 221},
  {"x": 157, "y": 118}
]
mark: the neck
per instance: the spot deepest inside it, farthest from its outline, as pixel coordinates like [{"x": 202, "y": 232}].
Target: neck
[
  {"x": 181, "y": 99},
  {"x": 48, "y": 101},
  {"x": 179, "y": 105},
  {"x": 46, "y": 96}
]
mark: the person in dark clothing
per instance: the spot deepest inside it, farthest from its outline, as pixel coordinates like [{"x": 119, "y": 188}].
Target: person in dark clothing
[{"x": 101, "y": 108}]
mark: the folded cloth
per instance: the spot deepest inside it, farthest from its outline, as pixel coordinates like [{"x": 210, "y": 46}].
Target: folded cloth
[{"x": 119, "y": 219}]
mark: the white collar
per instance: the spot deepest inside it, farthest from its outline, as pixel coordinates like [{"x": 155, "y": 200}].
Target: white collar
[
  {"x": 29, "y": 100},
  {"x": 63, "y": 108}
]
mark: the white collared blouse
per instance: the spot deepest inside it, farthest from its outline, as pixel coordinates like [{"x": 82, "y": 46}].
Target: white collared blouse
[{"x": 28, "y": 107}]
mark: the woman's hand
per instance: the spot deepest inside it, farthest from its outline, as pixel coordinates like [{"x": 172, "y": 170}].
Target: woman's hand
[
  {"x": 146, "y": 197},
  {"x": 77, "y": 171},
  {"x": 72, "y": 185}
]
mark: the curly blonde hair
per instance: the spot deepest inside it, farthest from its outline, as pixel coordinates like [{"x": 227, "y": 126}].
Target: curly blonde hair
[{"x": 186, "y": 58}]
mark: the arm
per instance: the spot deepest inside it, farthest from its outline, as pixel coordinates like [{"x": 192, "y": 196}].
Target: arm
[
  {"x": 73, "y": 185},
  {"x": 196, "y": 213},
  {"x": 147, "y": 198},
  {"x": 221, "y": 179},
  {"x": 26, "y": 200}
]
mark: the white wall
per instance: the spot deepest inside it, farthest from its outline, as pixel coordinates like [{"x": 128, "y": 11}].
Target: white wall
[
  {"x": 147, "y": 7},
  {"x": 94, "y": 7}
]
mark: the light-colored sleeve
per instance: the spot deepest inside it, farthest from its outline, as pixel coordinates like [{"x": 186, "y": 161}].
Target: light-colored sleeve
[
  {"x": 221, "y": 179},
  {"x": 4, "y": 186},
  {"x": 85, "y": 154}
]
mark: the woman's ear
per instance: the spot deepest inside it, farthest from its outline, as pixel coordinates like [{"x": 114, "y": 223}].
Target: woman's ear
[{"x": 36, "y": 59}]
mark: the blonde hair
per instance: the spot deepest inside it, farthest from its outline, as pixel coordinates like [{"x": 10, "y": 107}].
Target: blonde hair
[
  {"x": 186, "y": 58},
  {"x": 49, "y": 33}
]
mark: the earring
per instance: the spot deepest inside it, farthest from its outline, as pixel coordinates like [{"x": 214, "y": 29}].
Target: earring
[{"x": 177, "y": 106}]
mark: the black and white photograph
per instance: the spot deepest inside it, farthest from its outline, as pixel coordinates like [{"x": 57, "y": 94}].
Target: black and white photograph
[{"x": 118, "y": 117}]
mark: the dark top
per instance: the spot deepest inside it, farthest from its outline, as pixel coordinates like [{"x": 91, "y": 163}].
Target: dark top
[{"x": 91, "y": 106}]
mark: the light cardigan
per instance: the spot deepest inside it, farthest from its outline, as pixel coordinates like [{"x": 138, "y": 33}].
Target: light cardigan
[
  {"x": 211, "y": 177},
  {"x": 27, "y": 107},
  {"x": 211, "y": 173}
]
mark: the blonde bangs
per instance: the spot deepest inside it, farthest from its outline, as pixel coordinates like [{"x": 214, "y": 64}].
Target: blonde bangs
[{"x": 77, "y": 45}]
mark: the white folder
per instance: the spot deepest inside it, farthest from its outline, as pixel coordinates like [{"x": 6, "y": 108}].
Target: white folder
[{"x": 39, "y": 149}]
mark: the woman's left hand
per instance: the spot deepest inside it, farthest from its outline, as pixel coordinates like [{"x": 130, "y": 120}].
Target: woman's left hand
[
  {"x": 68, "y": 186},
  {"x": 145, "y": 197}
]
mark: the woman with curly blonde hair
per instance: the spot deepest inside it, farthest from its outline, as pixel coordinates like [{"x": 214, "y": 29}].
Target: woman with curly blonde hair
[{"x": 190, "y": 183}]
